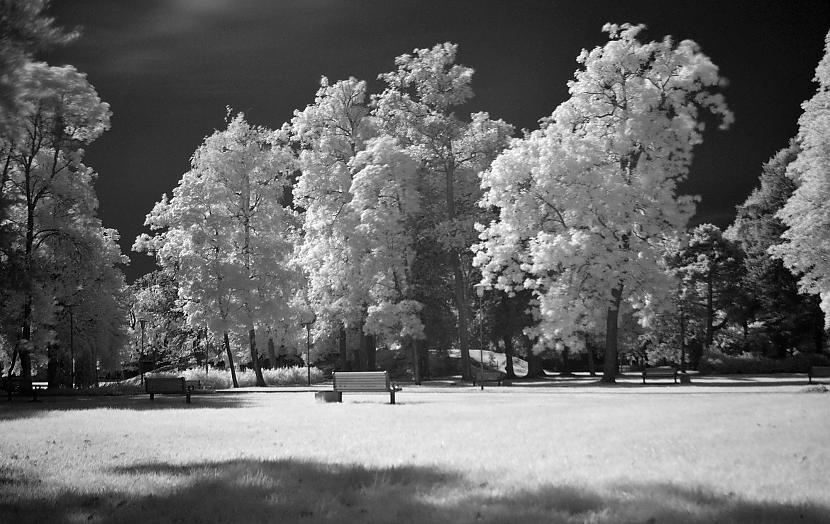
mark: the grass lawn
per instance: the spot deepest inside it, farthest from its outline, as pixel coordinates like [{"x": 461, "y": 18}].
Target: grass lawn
[{"x": 455, "y": 455}]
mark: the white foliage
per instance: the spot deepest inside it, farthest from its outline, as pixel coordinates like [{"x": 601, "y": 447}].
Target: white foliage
[
  {"x": 806, "y": 247},
  {"x": 585, "y": 202}
]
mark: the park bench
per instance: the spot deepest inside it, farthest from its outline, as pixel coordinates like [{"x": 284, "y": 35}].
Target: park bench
[
  {"x": 817, "y": 372},
  {"x": 16, "y": 385},
  {"x": 481, "y": 376},
  {"x": 660, "y": 372},
  {"x": 167, "y": 386},
  {"x": 363, "y": 382}
]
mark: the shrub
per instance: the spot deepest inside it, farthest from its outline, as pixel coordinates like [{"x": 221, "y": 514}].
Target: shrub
[
  {"x": 221, "y": 378},
  {"x": 716, "y": 362}
]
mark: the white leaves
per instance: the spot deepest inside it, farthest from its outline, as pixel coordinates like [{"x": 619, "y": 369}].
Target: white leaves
[
  {"x": 806, "y": 250},
  {"x": 226, "y": 233},
  {"x": 585, "y": 201}
]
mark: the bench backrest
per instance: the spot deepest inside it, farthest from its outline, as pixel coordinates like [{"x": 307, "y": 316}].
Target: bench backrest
[
  {"x": 164, "y": 384},
  {"x": 660, "y": 370},
  {"x": 361, "y": 381}
]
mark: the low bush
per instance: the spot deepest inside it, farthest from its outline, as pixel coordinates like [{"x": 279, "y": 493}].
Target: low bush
[
  {"x": 715, "y": 362},
  {"x": 221, "y": 378}
]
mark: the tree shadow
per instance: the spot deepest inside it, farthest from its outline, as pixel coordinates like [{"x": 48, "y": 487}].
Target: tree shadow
[
  {"x": 19, "y": 409},
  {"x": 287, "y": 491}
]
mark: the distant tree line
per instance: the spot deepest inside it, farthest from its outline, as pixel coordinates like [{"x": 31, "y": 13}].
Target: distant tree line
[{"x": 387, "y": 221}]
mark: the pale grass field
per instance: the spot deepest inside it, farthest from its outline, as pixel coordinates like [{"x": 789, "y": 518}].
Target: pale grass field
[{"x": 440, "y": 455}]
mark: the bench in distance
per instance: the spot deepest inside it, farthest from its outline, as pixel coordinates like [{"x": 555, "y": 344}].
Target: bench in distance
[
  {"x": 364, "y": 382},
  {"x": 167, "y": 386},
  {"x": 480, "y": 376},
  {"x": 818, "y": 372},
  {"x": 16, "y": 385},
  {"x": 660, "y": 372}
]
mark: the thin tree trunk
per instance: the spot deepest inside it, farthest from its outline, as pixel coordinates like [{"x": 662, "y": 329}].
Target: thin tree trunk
[
  {"x": 230, "y": 358},
  {"x": 592, "y": 368},
  {"x": 416, "y": 362},
  {"x": 344, "y": 354},
  {"x": 260, "y": 380},
  {"x": 371, "y": 353},
  {"x": 508, "y": 356},
  {"x": 609, "y": 371},
  {"x": 710, "y": 330},
  {"x": 566, "y": 365},
  {"x": 461, "y": 307},
  {"x": 682, "y": 339}
]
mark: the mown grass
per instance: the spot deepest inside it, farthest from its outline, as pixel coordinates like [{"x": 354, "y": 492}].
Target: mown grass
[{"x": 454, "y": 455}]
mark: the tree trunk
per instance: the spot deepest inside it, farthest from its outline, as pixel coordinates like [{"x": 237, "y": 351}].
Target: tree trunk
[
  {"x": 609, "y": 370},
  {"x": 534, "y": 365},
  {"x": 371, "y": 353},
  {"x": 260, "y": 380},
  {"x": 592, "y": 368},
  {"x": 710, "y": 313},
  {"x": 566, "y": 365},
  {"x": 344, "y": 354},
  {"x": 682, "y": 339},
  {"x": 230, "y": 358},
  {"x": 508, "y": 356},
  {"x": 461, "y": 308},
  {"x": 52, "y": 366},
  {"x": 416, "y": 363}
]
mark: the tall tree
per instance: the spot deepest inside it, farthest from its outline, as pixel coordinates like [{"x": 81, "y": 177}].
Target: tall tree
[
  {"x": 417, "y": 108},
  {"x": 385, "y": 199},
  {"x": 585, "y": 201},
  {"x": 806, "y": 246},
  {"x": 44, "y": 178},
  {"x": 228, "y": 236},
  {"x": 711, "y": 266},
  {"x": 329, "y": 133},
  {"x": 773, "y": 300}
]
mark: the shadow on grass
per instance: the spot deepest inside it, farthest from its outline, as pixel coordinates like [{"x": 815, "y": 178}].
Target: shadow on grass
[
  {"x": 302, "y": 491},
  {"x": 18, "y": 408}
]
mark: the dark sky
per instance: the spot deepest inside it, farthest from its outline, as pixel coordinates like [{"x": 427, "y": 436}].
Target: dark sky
[{"x": 168, "y": 68}]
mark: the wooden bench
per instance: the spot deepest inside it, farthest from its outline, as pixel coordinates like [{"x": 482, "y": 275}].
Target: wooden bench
[
  {"x": 817, "y": 372},
  {"x": 167, "y": 386},
  {"x": 16, "y": 385},
  {"x": 481, "y": 376},
  {"x": 364, "y": 382},
  {"x": 660, "y": 372}
]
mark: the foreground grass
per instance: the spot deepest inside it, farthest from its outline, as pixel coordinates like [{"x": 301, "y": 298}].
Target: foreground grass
[{"x": 502, "y": 455}]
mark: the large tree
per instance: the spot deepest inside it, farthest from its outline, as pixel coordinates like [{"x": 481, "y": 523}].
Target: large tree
[
  {"x": 585, "y": 202},
  {"x": 417, "y": 108},
  {"x": 329, "y": 133},
  {"x": 806, "y": 246},
  {"x": 49, "y": 189},
  {"x": 772, "y": 299},
  {"x": 227, "y": 234}
]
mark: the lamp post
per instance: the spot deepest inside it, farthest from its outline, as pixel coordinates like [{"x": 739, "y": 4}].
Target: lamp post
[
  {"x": 480, "y": 293},
  {"x": 141, "y": 359},
  {"x": 311, "y": 317},
  {"x": 71, "y": 346}
]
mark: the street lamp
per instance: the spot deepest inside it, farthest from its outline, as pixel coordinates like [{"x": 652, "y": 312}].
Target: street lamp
[
  {"x": 480, "y": 293},
  {"x": 310, "y": 318},
  {"x": 72, "y": 344},
  {"x": 141, "y": 359}
]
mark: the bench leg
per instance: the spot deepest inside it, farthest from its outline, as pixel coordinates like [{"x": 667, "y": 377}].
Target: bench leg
[
  {"x": 392, "y": 395},
  {"x": 152, "y": 396},
  {"x": 188, "y": 397}
]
